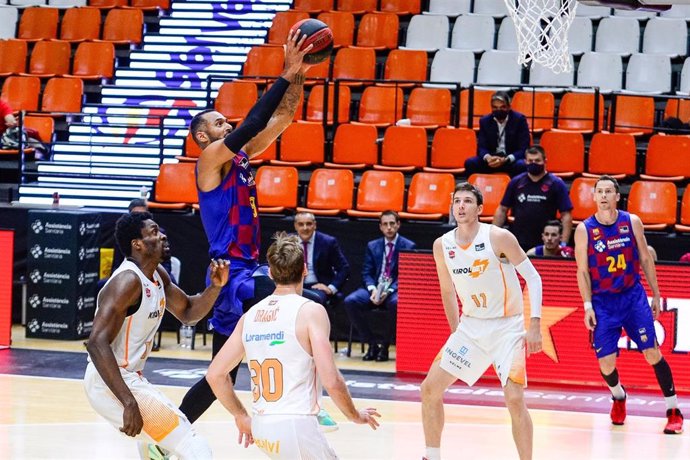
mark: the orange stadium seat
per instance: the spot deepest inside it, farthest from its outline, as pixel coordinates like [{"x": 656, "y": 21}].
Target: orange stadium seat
[
  {"x": 124, "y": 26},
  {"x": 94, "y": 60},
  {"x": 655, "y": 203},
  {"x": 235, "y": 99},
  {"x": 378, "y": 31},
  {"x": 38, "y": 24},
  {"x": 565, "y": 152},
  {"x": 268, "y": 155},
  {"x": 342, "y": 24},
  {"x": 537, "y": 106},
  {"x": 316, "y": 100},
  {"x": 318, "y": 73},
  {"x": 354, "y": 63},
  {"x": 582, "y": 197},
  {"x": 481, "y": 106},
  {"x": 313, "y": 6},
  {"x": 330, "y": 192},
  {"x": 381, "y": 106},
  {"x": 634, "y": 115},
  {"x": 63, "y": 95},
  {"x": 429, "y": 196},
  {"x": 429, "y": 107},
  {"x": 190, "y": 149},
  {"x": 79, "y": 24},
  {"x": 576, "y": 112},
  {"x": 107, "y": 4},
  {"x": 678, "y": 108},
  {"x": 377, "y": 192},
  {"x": 406, "y": 65},
  {"x": 401, "y": 7},
  {"x": 282, "y": 22},
  {"x": 276, "y": 188},
  {"x": 44, "y": 125},
  {"x": 175, "y": 186},
  {"x": 357, "y": 6},
  {"x": 302, "y": 145},
  {"x": 150, "y": 4},
  {"x": 12, "y": 57},
  {"x": 404, "y": 149},
  {"x": 492, "y": 186},
  {"x": 21, "y": 93},
  {"x": 612, "y": 153},
  {"x": 684, "y": 225},
  {"x": 450, "y": 148},
  {"x": 264, "y": 61},
  {"x": 660, "y": 151},
  {"x": 50, "y": 58},
  {"x": 354, "y": 147}
]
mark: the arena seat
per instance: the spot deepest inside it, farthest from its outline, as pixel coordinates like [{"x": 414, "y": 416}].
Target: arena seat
[
  {"x": 190, "y": 149},
  {"x": 38, "y": 24},
  {"x": 613, "y": 154},
  {"x": 8, "y": 22},
  {"x": 342, "y": 24},
  {"x": 576, "y": 112},
  {"x": 63, "y": 95},
  {"x": 451, "y": 66},
  {"x": 381, "y": 106},
  {"x": 427, "y": 33},
  {"x": 21, "y": 93},
  {"x": 263, "y": 61},
  {"x": 313, "y": 6},
  {"x": 678, "y": 108},
  {"x": 405, "y": 65},
  {"x": 537, "y": 106},
  {"x": 400, "y": 7},
  {"x": 655, "y": 203},
  {"x": 450, "y": 8},
  {"x": 618, "y": 35},
  {"x": 603, "y": 70},
  {"x": 429, "y": 107},
  {"x": 330, "y": 192},
  {"x": 79, "y": 24},
  {"x": 357, "y": 6},
  {"x": 495, "y": 8},
  {"x": 12, "y": 57},
  {"x": 450, "y": 148},
  {"x": 684, "y": 223},
  {"x": 429, "y": 196},
  {"x": 404, "y": 149},
  {"x": 175, "y": 187},
  {"x": 546, "y": 80},
  {"x": 301, "y": 145},
  {"x": 580, "y": 35},
  {"x": 582, "y": 197},
  {"x": 124, "y": 26},
  {"x": 50, "y": 58},
  {"x": 667, "y": 36},
  {"x": 492, "y": 186},
  {"x": 565, "y": 153},
  {"x": 316, "y": 99},
  {"x": 473, "y": 33},
  {"x": 44, "y": 125},
  {"x": 634, "y": 115},
  {"x": 93, "y": 61},
  {"x": 107, "y": 4},
  {"x": 648, "y": 74},
  {"x": 378, "y": 31},
  {"x": 354, "y": 147},
  {"x": 379, "y": 191},
  {"x": 354, "y": 63},
  {"x": 481, "y": 106},
  {"x": 660, "y": 149},
  {"x": 282, "y": 22},
  {"x": 276, "y": 188},
  {"x": 150, "y": 5},
  {"x": 235, "y": 99}
]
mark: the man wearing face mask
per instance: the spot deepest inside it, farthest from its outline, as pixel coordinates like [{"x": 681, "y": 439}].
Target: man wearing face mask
[
  {"x": 501, "y": 141},
  {"x": 535, "y": 197}
]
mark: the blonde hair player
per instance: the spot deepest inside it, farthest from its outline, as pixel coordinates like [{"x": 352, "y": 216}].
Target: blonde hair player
[
  {"x": 285, "y": 339},
  {"x": 478, "y": 263}
]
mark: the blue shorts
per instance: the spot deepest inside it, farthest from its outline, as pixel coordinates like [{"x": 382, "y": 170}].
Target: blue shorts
[
  {"x": 627, "y": 310},
  {"x": 227, "y": 310}
]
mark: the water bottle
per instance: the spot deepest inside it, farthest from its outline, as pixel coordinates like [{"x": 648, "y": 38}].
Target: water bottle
[
  {"x": 143, "y": 192},
  {"x": 186, "y": 335},
  {"x": 56, "y": 200}
]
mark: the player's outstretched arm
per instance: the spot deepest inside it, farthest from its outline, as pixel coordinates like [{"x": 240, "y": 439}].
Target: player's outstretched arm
[
  {"x": 448, "y": 296},
  {"x": 647, "y": 263},
  {"x": 318, "y": 327},
  {"x": 190, "y": 309},
  {"x": 121, "y": 292},
  {"x": 584, "y": 282},
  {"x": 218, "y": 378}
]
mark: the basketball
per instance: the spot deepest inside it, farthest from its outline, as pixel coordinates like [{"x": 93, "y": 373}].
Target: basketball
[{"x": 319, "y": 35}]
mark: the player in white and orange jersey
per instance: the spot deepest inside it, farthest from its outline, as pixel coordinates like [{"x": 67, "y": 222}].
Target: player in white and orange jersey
[
  {"x": 129, "y": 310},
  {"x": 477, "y": 263},
  {"x": 285, "y": 339}
]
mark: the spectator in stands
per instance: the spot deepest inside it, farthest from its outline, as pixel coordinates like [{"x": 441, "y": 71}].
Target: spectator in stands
[
  {"x": 501, "y": 141},
  {"x": 327, "y": 267},
  {"x": 551, "y": 236},
  {"x": 534, "y": 197},
  {"x": 380, "y": 291},
  {"x": 7, "y": 119}
]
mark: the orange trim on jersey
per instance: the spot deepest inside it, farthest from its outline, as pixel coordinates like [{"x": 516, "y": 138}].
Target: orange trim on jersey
[
  {"x": 505, "y": 290},
  {"x": 129, "y": 326},
  {"x": 465, "y": 247}
]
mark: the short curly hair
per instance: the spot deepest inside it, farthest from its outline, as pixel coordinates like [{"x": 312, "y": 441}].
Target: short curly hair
[{"x": 127, "y": 228}]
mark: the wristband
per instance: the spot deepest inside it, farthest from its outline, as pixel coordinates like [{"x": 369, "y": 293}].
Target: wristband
[{"x": 588, "y": 306}]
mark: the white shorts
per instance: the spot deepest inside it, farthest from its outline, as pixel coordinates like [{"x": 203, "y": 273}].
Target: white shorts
[
  {"x": 291, "y": 437},
  {"x": 164, "y": 424},
  {"x": 479, "y": 342}
]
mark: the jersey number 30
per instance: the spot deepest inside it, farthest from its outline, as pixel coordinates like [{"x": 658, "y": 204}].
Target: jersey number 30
[
  {"x": 267, "y": 379},
  {"x": 616, "y": 264}
]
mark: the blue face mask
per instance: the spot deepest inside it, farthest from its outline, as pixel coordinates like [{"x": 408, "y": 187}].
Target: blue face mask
[{"x": 535, "y": 169}]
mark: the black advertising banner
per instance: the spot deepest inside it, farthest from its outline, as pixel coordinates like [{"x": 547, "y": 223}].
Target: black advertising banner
[{"x": 62, "y": 264}]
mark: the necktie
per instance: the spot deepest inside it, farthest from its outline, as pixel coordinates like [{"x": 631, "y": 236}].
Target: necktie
[
  {"x": 305, "y": 245},
  {"x": 389, "y": 260}
]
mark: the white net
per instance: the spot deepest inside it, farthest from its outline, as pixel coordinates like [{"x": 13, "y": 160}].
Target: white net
[{"x": 542, "y": 31}]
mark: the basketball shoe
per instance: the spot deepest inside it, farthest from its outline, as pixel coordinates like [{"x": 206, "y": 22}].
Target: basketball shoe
[
  {"x": 149, "y": 451},
  {"x": 326, "y": 423},
  {"x": 675, "y": 422},
  {"x": 618, "y": 410}
]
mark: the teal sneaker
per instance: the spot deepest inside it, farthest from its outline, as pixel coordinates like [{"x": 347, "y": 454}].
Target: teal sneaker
[
  {"x": 326, "y": 423},
  {"x": 149, "y": 451}
]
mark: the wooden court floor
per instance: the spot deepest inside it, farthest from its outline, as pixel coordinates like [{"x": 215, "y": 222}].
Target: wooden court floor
[{"x": 49, "y": 418}]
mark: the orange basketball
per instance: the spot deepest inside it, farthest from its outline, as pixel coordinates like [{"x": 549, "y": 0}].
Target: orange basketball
[{"x": 319, "y": 35}]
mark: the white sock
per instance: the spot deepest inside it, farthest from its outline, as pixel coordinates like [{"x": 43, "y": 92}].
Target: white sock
[
  {"x": 618, "y": 392},
  {"x": 433, "y": 453},
  {"x": 671, "y": 402}
]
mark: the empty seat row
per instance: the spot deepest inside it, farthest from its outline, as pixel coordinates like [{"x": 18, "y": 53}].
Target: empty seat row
[
  {"x": 59, "y": 94},
  {"x": 78, "y": 24},
  {"x": 401, "y": 7},
  {"x": 92, "y": 60}
]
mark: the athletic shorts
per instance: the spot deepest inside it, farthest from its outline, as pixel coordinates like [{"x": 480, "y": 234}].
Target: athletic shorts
[
  {"x": 227, "y": 310},
  {"x": 291, "y": 437},
  {"x": 480, "y": 342},
  {"x": 627, "y": 310},
  {"x": 164, "y": 424}
]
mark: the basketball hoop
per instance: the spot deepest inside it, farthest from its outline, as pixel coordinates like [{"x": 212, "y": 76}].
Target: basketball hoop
[{"x": 542, "y": 31}]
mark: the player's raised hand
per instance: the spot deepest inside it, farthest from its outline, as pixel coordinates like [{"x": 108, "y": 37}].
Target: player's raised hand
[
  {"x": 132, "y": 423},
  {"x": 367, "y": 417},
  {"x": 244, "y": 425},
  {"x": 294, "y": 57},
  {"x": 220, "y": 269},
  {"x": 590, "y": 319}
]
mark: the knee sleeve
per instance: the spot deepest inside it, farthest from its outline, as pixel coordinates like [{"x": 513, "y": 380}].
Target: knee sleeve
[{"x": 664, "y": 377}]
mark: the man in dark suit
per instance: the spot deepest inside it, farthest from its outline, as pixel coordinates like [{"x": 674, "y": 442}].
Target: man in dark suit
[
  {"x": 380, "y": 277},
  {"x": 501, "y": 141},
  {"x": 327, "y": 267}
]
